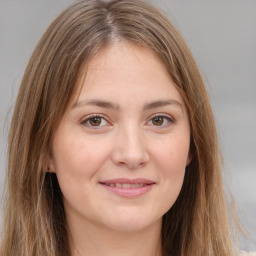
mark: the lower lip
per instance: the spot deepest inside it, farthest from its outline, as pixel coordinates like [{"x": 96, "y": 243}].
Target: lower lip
[{"x": 129, "y": 192}]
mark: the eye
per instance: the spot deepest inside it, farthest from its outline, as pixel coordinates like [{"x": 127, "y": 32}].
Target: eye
[
  {"x": 161, "y": 121},
  {"x": 95, "y": 121}
]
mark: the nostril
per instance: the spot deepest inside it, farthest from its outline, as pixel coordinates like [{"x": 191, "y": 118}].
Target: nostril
[{"x": 130, "y": 150}]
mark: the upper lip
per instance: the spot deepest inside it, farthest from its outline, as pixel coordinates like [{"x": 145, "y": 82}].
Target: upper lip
[{"x": 128, "y": 181}]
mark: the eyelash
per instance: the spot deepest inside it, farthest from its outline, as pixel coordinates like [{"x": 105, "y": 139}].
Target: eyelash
[
  {"x": 165, "y": 118},
  {"x": 86, "y": 121}
]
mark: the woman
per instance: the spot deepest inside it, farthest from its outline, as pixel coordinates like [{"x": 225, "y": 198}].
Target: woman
[{"x": 112, "y": 147}]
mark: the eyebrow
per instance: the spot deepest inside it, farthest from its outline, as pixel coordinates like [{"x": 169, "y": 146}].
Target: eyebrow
[
  {"x": 162, "y": 103},
  {"x": 110, "y": 105},
  {"x": 98, "y": 103}
]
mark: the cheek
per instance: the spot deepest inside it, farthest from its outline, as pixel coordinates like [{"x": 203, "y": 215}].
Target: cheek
[
  {"x": 172, "y": 158},
  {"x": 77, "y": 160},
  {"x": 76, "y": 155},
  {"x": 173, "y": 172},
  {"x": 171, "y": 161}
]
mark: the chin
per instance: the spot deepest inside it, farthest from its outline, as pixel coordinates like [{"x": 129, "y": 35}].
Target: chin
[{"x": 133, "y": 223}]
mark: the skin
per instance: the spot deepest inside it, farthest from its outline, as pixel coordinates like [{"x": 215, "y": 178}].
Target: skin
[{"x": 132, "y": 138}]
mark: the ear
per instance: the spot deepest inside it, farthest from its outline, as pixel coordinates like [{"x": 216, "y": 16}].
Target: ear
[
  {"x": 51, "y": 166},
  {"x": 189, "y": 159}
]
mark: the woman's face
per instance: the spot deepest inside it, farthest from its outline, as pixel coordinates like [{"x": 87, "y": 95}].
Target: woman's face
[{"x": 121, "y": 150}]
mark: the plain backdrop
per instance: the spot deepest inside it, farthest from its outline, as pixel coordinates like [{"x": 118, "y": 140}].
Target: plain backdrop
[{"x": 222, "y": 36}]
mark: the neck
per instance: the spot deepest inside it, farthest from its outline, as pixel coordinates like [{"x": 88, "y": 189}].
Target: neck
[{"x": 89, "y": 239}]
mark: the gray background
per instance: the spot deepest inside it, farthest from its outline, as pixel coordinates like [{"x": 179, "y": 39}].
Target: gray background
[{"x": 222, "y": 37}]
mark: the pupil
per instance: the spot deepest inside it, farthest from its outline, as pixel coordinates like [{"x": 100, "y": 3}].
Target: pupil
[
  {"x": 95, "y": 121},
  {"x": 158, "y": 121}
]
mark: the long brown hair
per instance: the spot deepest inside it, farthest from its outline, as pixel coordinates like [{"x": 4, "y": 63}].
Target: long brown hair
[{"x": 34, "y": 221}]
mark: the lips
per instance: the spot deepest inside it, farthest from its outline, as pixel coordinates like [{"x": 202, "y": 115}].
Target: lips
[
  {"x": 125, "y": 185},
  {"x": 129, "y": 188}
]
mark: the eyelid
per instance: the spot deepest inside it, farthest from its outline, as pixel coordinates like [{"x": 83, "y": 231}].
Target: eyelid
[
  {"x": 167, "y": 116},
  {"x": 86, "y": 118},
  {"x": 163, "y": 115}
]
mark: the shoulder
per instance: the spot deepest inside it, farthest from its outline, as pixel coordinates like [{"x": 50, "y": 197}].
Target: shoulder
[{"x": 243, "y": 253}]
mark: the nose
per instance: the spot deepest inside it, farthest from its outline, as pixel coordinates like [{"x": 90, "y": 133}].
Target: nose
[{"x": 130, "y": 149}]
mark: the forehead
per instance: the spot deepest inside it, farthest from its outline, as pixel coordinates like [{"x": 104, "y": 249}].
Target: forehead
[{"x": 126, "y": 71}]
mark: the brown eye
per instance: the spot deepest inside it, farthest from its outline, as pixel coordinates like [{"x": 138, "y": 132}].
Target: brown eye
[
  {"x": 159, "y": 120},
  {"x": 94, "y": 121}
]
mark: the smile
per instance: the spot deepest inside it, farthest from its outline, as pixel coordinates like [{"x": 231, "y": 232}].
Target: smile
[
  {"x": 128, "y": 188},
  {"x": 126, "y": 185}
]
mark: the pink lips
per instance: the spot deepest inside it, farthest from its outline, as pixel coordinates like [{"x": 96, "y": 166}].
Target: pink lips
[{"x": 129, "y": 188}]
